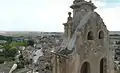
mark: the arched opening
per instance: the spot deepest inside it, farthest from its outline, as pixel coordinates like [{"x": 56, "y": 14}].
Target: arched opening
[
  {"x": 90, "y": 35},
  {"x": 85, "y": 68},
  {"x": 103, "y": 66},
  {"x": 101, "y": 35}
]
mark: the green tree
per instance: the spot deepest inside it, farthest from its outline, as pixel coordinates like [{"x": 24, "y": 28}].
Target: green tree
[
  {"x": 10, "y": 51},
  {"x": 30, "y": 42},
  {"x": 2, "y": 59}
]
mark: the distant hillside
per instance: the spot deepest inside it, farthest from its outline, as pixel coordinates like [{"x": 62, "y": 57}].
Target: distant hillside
[
  {"x": 27, "y": 33},
  {"x": 38, "y": 33},
  {"x": 114, "y": 33}
]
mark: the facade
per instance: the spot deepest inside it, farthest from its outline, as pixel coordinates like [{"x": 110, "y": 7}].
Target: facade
[
  {"x": 85, "y": 48},
  {"x": 115, "y": 47},
  {"x": 115, "y": 44}
]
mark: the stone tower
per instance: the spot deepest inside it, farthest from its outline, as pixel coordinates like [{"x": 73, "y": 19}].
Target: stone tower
[{"x": 87, "y": 49}]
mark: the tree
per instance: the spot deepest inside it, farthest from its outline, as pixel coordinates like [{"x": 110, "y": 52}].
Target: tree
[
  {"x": 30, "y": 42},
  {"x": 9, "y": 51},
  {"x": 2, "y": 59},
  {"x": 7, "y": 38}
]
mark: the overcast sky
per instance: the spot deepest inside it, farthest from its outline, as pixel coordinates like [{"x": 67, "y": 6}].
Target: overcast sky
[{"x": 49, "y": 15}]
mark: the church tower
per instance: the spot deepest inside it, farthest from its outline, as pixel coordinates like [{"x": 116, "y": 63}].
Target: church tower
[{"x": 87, "y": 49}]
